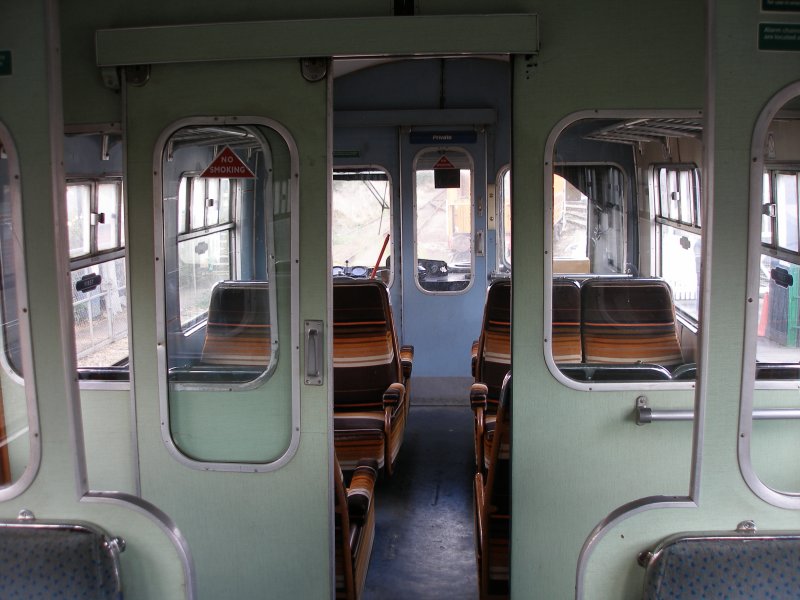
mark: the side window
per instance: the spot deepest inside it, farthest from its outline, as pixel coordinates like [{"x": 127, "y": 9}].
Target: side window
[
  {"x": 95, "y": 219},
  {"x": 779, "y": 309},
  {"x": 361, "y": 223},
  {"x": 206, "y": 207},
  {"x": 443, "y": 220},
  {"x": 504, "y": 220},
  {"x": 676, "y": 198},
  {"x": 570, "y": 225},
  {"x": 229, "y": 271}
]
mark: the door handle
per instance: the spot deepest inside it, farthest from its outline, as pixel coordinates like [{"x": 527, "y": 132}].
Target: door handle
[{"x": 314, "y": 353}]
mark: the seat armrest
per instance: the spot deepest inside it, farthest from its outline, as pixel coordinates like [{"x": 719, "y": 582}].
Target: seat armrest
[
  {"x": 407, "y": 360},
  {"x": 360, "y": 492},
  {"x": 477, "y": 396},
  {"x": 393, "y": 395},
  {"x": 474, "y": 358}
]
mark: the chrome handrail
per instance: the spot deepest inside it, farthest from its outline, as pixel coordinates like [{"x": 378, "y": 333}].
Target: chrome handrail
[{"x": 645, "y": 415}]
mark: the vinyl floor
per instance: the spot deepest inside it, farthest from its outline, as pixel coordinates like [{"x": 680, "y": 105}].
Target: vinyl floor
[{"x": 424, "y": 535}]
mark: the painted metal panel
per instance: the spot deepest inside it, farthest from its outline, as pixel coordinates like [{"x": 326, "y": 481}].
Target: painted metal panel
[
  {"x": 285, "y": 513},
  {"x": 368, "y": 36}
]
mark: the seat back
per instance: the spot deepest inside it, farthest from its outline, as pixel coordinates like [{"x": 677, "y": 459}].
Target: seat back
[
  {"x": 494, "y": 344},
  {"x": 366, "y": 357},
  {"x": 495, "y": 557},
  {"x": 354, "y": 528},
  {"x": 629, "y": 321},
  {"x": 73, "y": 560},
  {"x": 567, "y": 346},
  {"x": 724, "y": 565},
  {"x": 238, "y": 330}
]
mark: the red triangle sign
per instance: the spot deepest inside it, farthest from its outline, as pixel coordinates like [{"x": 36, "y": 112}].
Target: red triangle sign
[
  {"x": 444, "y": 163},
  {"x": 227, "y": 164}
]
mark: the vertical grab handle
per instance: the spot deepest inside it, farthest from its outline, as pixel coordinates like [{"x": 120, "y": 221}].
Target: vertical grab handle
[{"x": 314, "y": 352}]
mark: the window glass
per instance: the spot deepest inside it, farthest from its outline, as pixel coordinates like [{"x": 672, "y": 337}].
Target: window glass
[
  {"x": 680, "y": 267},
  {"x": 183, "y": 204},
  {"x": 228, "y": 285},
  {"x": 78, "y": 217},
  {"x": 786, "y": 200},
  {"x": 614, "y": 291},
  {"x": 108, "y": 222},
  {"x": 198, "y": 206},
  {"x": 678, "y": 229},
  {"x": 767, "y": 211},
  {"x": 202, "y": 263},
  {"x": 101, "y": 315},
  {"x": 361, "y": 222},
  {"x": 99, "y": 288},
  {"x": 204, "y": 250},
  {"x": 505, "y": 217},
  {"x": 570, "y": 220},
  {"x": 443, "y": 220}
]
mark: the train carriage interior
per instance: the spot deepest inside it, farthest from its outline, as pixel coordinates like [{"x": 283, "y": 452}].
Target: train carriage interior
[{"x": 266, "y": 274}]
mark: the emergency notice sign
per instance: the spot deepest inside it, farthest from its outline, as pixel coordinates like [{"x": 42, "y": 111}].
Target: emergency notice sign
[{"x": 227, "y": 164}]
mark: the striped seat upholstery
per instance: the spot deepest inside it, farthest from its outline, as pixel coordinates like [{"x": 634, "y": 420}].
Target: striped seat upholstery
[
  {"x": 369, "y": 395},
  {"x": 238, "y": 330},
  {"x": 567, "y": 321},
  {"x": 355, "y": 515},
  {"x": 492, "y": 361},
  {"x": 629, "y": 321},
  {"x": 494, "y": 345},
  {"x": 493, "y": 507}
]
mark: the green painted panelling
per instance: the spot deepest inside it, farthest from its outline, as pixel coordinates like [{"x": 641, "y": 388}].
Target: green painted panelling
[
  {"x": 480, "y": 34},
  {"x": 238, "y": 426},
  {"x": 724, "y": 498},
  {"x": 15, "y": 414},
  {"x": 224, "y": 515},
  {"x": 151, "y": 565},
  {"x": 579, "y": 455},
  {"x": 87, "y": 100},
  {"x": 108, "y": 439},
  {"x": 775, "y": 445}
]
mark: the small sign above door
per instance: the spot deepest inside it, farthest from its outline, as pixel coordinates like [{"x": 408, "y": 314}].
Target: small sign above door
[
  {"x": 227, "y": 164},
  {"x": 444, "y": 163},
  {"x": 443, "y": 137}
]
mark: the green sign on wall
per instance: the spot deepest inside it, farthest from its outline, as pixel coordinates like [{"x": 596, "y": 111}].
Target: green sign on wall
[
  {"x": 5, "y": 62},
  {"x": 779, "y": 36}
]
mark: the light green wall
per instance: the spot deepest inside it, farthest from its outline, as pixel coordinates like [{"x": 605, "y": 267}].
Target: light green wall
[
  {"x": 151, "y": 565},
  {"x": 276, "y": 523},
  {"x": 578, "y": 455},
  {"x": 743, "y": 81}
]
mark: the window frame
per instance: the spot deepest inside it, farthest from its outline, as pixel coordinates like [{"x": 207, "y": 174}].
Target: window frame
[
  {"x": 392, "y": 208},
  {"x": 94, "y": 256},
  {"x": 549, "y": 165},
  {"x": 415, "y": 168},
  {"x": 18, "y": 486},
  {"x": 234, "y": 207},
  {"x": 102, "y": 376},
  {"x": 756, "y": 248},
  {"x": 289, "y": 349},
  {"x": 692, "y": 226},
  {"x": 773, "y": 248},
  {"x": 503, "y": 265}
]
